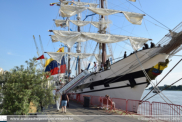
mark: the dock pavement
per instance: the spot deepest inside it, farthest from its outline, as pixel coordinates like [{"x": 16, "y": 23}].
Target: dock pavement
[{"x": 77, "y": 113}]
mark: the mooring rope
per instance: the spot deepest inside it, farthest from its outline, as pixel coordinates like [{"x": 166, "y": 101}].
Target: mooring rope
[
  {"x": 162, "y": 79},
  {"x": 156, "y": 88}
]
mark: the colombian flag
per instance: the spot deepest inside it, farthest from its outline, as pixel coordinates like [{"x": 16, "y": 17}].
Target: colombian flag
[
  {"x": 63, "y": 65},
  {"x": 52, "y": 67}
]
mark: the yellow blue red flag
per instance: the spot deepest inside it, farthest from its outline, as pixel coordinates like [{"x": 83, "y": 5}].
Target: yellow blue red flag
[{"x": 61, "y": 49}]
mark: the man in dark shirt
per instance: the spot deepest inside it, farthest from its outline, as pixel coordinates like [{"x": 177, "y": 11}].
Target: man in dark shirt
[
  {"x": 125, "y": 54},
  {"x": 152, "y": 45},
  {"x": 146, "y": 46},
  {"x": 64, "y": 101}
]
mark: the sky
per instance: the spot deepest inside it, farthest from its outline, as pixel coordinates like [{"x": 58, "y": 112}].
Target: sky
[{"x": 20, "y": 20}]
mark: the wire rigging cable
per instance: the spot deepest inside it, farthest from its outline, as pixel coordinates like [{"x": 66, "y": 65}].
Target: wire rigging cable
[
  {"x": 148, "y": 15},
  {"x": 164, "y": 89},
  {"x": 156, "y": 88},
  {"x": 162, "y": 78}
]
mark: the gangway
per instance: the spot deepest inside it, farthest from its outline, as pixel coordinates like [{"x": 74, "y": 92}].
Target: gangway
[{"x": 73, "y": 83}]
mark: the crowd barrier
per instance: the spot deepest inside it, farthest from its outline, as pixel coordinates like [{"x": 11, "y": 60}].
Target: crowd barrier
[{"x": 134, "y": 106}]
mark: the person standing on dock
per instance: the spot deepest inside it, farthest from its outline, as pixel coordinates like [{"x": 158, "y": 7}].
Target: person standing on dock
[
  {"x": 58, "y": 95},
  {"x": 64, "y": 102}
]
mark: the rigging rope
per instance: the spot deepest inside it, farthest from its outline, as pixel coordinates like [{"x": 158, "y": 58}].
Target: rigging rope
[
  {"x": 164, "y": 89},
  {"x": 52, "y": 27},
  {"x": 127, "y": 71},
  {"x": 156, "y": 25},
  {"x": 156, "y": 88},
  {"x": 162, "y": 78},
  {"x": 146, "y": 29},
  {"x": 140, "y": 3},
  {"x": 148, "y": 15}
]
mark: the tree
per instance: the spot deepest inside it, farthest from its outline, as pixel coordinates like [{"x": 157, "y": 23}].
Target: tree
[{"x": 23, "y": 86}]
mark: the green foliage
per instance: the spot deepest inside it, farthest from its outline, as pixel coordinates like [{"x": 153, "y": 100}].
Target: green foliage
[
  {"x": 168, "y": 87},
  {"x": 23, "y": 86}
]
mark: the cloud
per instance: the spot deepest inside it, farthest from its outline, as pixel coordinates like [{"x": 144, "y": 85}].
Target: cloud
[{"x": 10, "y": 53}]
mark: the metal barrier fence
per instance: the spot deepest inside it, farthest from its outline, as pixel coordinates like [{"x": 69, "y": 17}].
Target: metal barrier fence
[
  {"x": 95, "y": 101},
  {"x": 138, "y": 107},
  {"x": 119, "y": 103},
  {"x": 135, "y": 106},
  {"x": 158, "y": 108}
]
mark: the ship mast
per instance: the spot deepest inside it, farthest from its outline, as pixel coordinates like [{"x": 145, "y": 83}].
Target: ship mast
[
  {"x": 69, "y": 71},
  {"x": 103, "y": 44},
  {"x": 79, "y": 43}
]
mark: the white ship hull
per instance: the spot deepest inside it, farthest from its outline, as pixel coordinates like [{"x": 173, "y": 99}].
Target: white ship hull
[{"x": 125, "y": 79}]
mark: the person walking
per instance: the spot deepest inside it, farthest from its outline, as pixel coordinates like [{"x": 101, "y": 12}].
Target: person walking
[
  {"x": 64, "y": 99},
  {"x": 58, "y": 95}
]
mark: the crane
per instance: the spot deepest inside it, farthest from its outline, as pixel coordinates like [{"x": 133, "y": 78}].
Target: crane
[
  {"x": 42, "y": 49},
  {"x": 38, "y": 51}
]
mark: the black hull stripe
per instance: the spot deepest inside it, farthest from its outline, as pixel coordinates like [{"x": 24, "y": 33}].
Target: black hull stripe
[
  {"x": 116, "y": 79},
  {"x": 111, "y": 88}
]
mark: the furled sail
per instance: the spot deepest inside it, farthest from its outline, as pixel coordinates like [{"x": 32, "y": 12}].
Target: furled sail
[
  {"x": 54, "y": 38},
  {"x": 98, "y": 24},
  {"x": 133, "y": 0},
  {"x": 80, "y": 23},
  {"x": 134, "y": 18},
  {"x": 68, "y": 11},
  {"x": 80, "y": 3},
  {"x": 137, "y": 43},
  {"x": 70, "y": 37},
  {"x": 64, "y": 23},
  {"x": 58, "y": 55},
  {"x": 81, "y": 55},
  {"x": 99, "y": 57}
]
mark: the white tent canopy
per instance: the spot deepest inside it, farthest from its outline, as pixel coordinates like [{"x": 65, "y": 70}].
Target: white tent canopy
[{"x": 68, "y": 11}]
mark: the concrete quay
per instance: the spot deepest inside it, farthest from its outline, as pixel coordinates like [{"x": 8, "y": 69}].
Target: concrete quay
[{"x": 77, "y": 113}]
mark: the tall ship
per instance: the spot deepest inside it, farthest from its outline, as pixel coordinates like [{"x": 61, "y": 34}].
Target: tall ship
[{"x": 123, "y": 77}]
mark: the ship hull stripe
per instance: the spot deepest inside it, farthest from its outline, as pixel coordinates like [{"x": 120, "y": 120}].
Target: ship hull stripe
[
  {"x": 111, "y": 88},
  {"x": 116, "y": 79}
]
